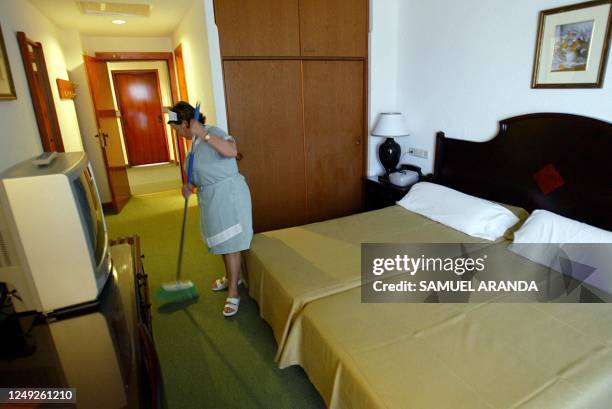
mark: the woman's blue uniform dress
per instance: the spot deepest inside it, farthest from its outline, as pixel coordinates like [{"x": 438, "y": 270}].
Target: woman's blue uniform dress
[{"x": 224, "y": 198}]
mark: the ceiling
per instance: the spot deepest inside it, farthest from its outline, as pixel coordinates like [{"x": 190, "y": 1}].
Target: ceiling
[{"x": 165, "y": 16}]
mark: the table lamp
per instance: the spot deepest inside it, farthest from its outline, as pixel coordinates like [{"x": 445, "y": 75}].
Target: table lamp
[{"x": 390, "y": 125}]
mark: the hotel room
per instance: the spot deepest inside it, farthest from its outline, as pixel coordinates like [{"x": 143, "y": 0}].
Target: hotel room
[{"x": 412, "y": 201}]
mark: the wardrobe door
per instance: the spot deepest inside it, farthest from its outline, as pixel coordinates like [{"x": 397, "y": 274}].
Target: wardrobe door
[
  {"x": 334, "y": 128},
  {"x": 258, "y": 27},
  {"x": 334, "y": 28},
  {"x": 264, "y": 106}
]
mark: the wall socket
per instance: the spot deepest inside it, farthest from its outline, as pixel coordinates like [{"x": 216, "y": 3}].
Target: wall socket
[{"x": 419, "y": 153}]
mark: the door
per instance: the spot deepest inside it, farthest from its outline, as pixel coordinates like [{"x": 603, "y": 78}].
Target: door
[
  {"x": 264, "y": 106},
  {"x": 140, "y": 103},
  {"x": 258, "y": 27},
  {"x": 182, "y": 143},
  {"x": 108, "y": 131},
  {"x": 40, "y": 91},
  {"x": 334, "y": 28},
  {"x": 180, "y": 72},
  {"x": 334, "y": 129}
]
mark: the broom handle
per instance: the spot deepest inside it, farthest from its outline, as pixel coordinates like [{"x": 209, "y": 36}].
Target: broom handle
[
  {"x": 180, "y": 256},
  {"x": 189, "y": 177},
  {"x": 196, "y": 116}
]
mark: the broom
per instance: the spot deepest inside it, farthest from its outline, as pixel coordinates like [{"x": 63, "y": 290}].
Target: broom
[{"x": 178, "y": 290}]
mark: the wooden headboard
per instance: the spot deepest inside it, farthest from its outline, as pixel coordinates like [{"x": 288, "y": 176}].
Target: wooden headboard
[{"x": 552, "y": 161}]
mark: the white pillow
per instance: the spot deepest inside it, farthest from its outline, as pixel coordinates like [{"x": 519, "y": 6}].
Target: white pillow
[
  {"x": 546, "y": 227},
  {"x": 567, "y": 246},
  {"x": 468, "y": 214}
]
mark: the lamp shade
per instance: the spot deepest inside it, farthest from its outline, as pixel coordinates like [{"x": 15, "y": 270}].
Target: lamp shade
[{"x": 390, "y": 124}]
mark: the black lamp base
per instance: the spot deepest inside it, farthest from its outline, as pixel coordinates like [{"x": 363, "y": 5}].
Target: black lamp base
[{"x": 389, "y": 153}]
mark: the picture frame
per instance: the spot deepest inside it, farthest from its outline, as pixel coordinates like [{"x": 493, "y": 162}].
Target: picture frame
[
  {"x": 572, "y": 46},
  {"x": 7, "y": 86}
]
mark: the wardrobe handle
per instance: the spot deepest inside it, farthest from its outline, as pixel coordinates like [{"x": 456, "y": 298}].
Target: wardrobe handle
[{"x": 357, "y": 141}]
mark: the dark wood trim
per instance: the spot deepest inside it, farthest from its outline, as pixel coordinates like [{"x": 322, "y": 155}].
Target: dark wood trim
[
  {"x": 48, "y": 125},
  {"x": 133, "y": 56},
  {"x": 605, "y": 47}
]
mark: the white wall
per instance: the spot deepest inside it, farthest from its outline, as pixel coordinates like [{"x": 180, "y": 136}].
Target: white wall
[
  {"x": 193, "y": 33},
  {"x": 73, "y": 50},
  {"x": 465, "y": 65},
  {"x": 383, "y": 70},
  {"x": 19, "y": 136}
]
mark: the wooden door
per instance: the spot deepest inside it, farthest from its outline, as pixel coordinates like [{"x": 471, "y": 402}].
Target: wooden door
[
  {"x": 334, "y": 134},
  {"x": 40, "y": 91},
  {"x": 334, "y": 28},
  {"x": 182, "y": 143},
  {"x": 180, "y": 73},
  {"x": 108, "y": 131},
  {"x": 264, "y": 106},
  {"x": 258, "y": 27},
  {"x": 139, "y": 99}
]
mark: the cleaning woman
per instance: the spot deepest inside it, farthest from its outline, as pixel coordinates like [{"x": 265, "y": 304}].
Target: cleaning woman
[{"x": 223, "y": 196}]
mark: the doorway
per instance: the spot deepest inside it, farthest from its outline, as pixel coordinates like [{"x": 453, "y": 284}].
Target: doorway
[
  {"x": 141, "y": 87},
  {"x": 142, "y": 92},
  {"x": 139, "y": 101}
]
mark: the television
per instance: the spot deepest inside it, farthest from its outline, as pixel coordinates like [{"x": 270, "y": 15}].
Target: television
[{"x": 54, "y": 249}]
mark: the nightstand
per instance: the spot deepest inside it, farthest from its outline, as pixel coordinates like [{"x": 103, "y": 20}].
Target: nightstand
[{"x": 379, "y": 194}]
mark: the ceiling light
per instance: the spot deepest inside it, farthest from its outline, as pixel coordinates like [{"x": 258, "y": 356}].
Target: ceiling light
[
  {"x": 95, "y": 8},
  {"x": 119, "y": 22}
]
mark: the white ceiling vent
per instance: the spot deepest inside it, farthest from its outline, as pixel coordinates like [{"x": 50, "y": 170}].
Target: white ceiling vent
[{"x": 114, "y": 9}]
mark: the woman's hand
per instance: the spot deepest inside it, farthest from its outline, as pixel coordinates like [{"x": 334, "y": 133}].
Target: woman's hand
[{"x": 186, "y": 191}]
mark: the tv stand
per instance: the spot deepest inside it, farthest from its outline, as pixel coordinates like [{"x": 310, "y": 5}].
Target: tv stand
[{"x": 109, "y": 343}]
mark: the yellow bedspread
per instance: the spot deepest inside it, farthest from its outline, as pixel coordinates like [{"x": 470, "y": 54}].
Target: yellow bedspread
[
  {"x": 454, "y": 356},
  {"x": 286, "y": 269},
  {"x": 486, "y": 355}
]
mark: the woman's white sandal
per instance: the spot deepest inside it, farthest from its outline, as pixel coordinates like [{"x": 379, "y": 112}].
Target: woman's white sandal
[
  {"x": 222, "y": 284},
  {"x": 231, "y": 304}
]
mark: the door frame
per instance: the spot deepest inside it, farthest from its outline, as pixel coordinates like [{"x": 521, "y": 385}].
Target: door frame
[
  {"x": 168, "y": 57},
  {"x": 118, "y": 102},
  {"x": 41, "y": 94}
]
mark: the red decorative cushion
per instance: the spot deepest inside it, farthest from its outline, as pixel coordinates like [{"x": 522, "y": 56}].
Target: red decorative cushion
[{"x": 548, "y": 179}]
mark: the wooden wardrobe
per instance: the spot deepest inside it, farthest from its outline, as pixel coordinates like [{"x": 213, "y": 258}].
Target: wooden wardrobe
[{"x": 295, "y": 75}]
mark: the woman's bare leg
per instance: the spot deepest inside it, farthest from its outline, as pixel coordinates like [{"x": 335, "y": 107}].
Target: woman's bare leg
[
  {"x": 227, "y": 274},
  {"x": 232, "y": 266}
]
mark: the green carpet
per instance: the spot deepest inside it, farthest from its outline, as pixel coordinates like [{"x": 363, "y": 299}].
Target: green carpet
[{"x": 208, "y": 361}]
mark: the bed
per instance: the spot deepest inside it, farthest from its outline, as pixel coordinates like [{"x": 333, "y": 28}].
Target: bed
[{"x": 306, "y": 281}]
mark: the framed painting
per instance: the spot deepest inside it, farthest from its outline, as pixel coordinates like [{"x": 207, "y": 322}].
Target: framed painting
[
  {"x": 572, "y": 46},
  {"x": 7, "y": 88}
]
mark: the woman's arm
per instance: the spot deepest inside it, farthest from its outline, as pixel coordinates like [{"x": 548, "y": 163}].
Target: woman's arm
[{"x": 226, "y": 148}]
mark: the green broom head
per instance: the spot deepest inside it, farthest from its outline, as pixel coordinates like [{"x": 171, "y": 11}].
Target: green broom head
[{"x": 177, "y": 291}]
